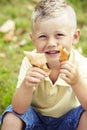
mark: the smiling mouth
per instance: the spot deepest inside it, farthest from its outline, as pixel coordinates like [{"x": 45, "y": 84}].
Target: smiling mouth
[{"x": 52, "y": 52}]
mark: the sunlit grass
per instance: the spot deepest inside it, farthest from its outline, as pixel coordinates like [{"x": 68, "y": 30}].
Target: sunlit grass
[{"x": 13, "y": 54}]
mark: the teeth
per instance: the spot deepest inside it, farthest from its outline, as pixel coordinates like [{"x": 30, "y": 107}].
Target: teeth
[{"x": 52, "y": 52}]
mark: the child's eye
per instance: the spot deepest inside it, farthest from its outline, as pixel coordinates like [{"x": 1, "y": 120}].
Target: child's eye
[
  {"x": 60, "y": 34},
  {"x": 42, "y": 37}
]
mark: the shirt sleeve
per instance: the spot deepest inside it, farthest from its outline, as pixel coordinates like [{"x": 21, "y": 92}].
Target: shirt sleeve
[
  {"x": 83, "y": 68},
  {"x": 81, "y": 63},
  {"x": 23, "y": 70}
]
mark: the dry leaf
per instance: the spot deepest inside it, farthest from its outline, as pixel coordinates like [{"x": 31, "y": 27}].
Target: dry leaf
[
  {"x": 20, "y": 32},
  {"x": 2, "y": 55},
  {"x": 9, "y": 25},
  {"x": 23, "y": 42},
  {"x": 9, "y": 36},
  {"x": 38, "y": 60},
  {"x": 64, "y": 54}
]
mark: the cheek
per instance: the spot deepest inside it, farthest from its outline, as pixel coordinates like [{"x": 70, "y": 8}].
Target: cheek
[
  {"x": 69, "y": 46},
  {"x": 40, "y": 47},
  {"x": 69, "y": 43}
]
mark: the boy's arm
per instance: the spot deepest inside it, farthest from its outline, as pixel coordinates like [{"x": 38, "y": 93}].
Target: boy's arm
[
  {"x": 80, "y": 89},
  {"x": 27, "y": 81},
  {"x": 22, "y": 98},
  {"x": 70, "y": 73}
]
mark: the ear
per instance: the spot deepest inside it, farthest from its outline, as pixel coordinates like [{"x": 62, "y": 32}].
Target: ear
[
  {"x": 76, "y": 36},
  {"x": 31, "y": 37}
]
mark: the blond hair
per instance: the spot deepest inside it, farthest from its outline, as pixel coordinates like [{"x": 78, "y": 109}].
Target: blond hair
[{"x": 47, "y": 9}]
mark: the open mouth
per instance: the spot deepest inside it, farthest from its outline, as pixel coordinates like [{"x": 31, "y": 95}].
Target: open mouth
[{"x": 52, "y": 52}]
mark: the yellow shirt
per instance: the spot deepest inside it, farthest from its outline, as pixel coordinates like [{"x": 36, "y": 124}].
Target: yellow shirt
[{"x": 55, "y": 99}]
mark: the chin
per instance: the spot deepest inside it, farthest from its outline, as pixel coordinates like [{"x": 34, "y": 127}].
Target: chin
[{"x": 53, "y": 60}]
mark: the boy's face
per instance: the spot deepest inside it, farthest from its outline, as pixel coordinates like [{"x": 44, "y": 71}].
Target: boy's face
[{"x": 48, "y": 34}]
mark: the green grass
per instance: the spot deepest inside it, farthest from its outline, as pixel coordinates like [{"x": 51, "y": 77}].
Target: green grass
[
  {"x": 20, "y": 12},
  {"x": 10, "y": 63},
  {"x": 9, "y": 68}
]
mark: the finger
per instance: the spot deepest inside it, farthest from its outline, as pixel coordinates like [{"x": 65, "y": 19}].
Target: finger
[
  {"x": 65, "y": 72},
  {"x": 65, "y": 78},
  {"x": 38, "y": 70},
  {"x": 69, "y": 67},
  {"x": 37, "y": 75},
  {"x": 31, "y": 81}
]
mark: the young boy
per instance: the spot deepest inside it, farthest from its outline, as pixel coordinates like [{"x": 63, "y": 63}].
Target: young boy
[{"x": 57, "y": 101}]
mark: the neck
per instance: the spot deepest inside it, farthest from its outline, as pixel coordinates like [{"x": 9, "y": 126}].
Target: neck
[
  {"x": 55, "y": 69},
  {"x": 54, "y": 75},
  {"x": 54, "y": 66}
]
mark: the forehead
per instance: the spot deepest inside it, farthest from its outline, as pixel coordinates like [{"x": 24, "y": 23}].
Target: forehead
[
  {"x": 65, "y": 13},
  {"x": 61, "y": 22}
]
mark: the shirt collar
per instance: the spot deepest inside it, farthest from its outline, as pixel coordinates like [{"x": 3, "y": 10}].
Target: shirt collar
[{"x": 60, "y": 81}]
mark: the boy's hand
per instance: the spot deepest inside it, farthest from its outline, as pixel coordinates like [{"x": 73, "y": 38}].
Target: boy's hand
[
  {"x": 69, "y": 72},
  {"x": 34, "y": 76}
]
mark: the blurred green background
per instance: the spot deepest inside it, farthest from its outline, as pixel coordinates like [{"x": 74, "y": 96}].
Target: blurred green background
[{"x": 14, "y": 43}]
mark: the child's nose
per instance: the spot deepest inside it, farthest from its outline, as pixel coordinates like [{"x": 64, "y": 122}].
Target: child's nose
[{"x": 52, "y": 42}]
